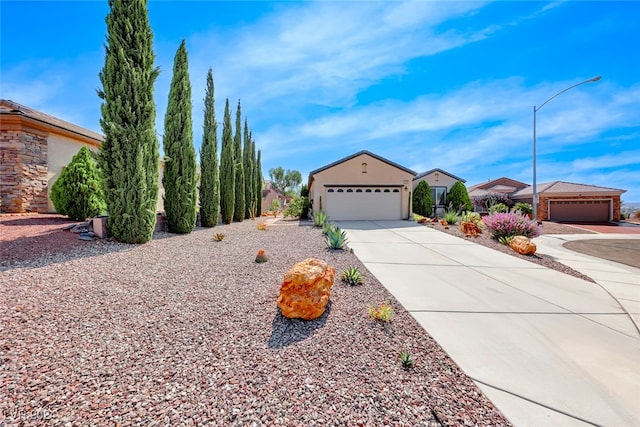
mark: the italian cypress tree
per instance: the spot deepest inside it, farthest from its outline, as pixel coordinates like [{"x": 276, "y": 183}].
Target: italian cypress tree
[
  {"x": 422, "y": 199},
  {"x": 227, "y": 169},
  {"x": 238, "y": 210},
  {"x": 247, "y": 158},
  {"x": 458, "y": 197},
  {"x": 180, "y": 168},
  {"x": 129, "y": 154},
  {"x": 258, "y": 184},
  {"x": 209, "y": 179}
]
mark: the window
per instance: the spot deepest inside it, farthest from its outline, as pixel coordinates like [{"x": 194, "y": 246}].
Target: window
[
  {"x": 340, "y": 190},
  {"x": 364, "y": 168},
  {"x": 359, "y": 190},
  {"x": 387, "y": 190},
  {"x": 330, "y": 190},
  {"x": 349, "y": 191},
  {"x": 377, "y": 190},
  {"x": 439, "y": 195},
  {"x": 396, "y": 190},
  {"x": 368, "y": 190}
]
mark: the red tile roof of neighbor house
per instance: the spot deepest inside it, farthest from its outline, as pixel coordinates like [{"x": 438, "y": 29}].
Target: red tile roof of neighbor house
[
  {"x": 11, "y": 108},
  {"x": 498, "y": 182},
  {"x": 563, "y": 187}
]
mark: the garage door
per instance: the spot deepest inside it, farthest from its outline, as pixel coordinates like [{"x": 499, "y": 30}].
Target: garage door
[
  {"x": 580, "y": 210},
  {"x": 346, "y": 203}
]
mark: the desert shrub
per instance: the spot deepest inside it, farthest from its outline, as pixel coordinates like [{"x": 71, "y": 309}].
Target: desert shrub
[
  {"x": 525, "y": 208},
  {"x": 422, "y": 199},
  {"x": 78, "y": 192},
  {"x": 458, "y": 197},
  {"x": 471, "y": 217},
  {"x": 275, "y": 205},
  {"x": 509, "y": 224},
  {"x": 383, "y": 312},
  {"x": 451, "y": 217},
  {"x": 485, "y": 202},
  {"x": 298, "y": 207},
  {"x": 351, "y": 276},
  {"x": 499, "y": 207},
  {"x": 406, "y": 359}
]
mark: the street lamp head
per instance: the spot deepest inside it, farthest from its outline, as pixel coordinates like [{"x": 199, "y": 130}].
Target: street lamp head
[{"x": 595, "y": 79}]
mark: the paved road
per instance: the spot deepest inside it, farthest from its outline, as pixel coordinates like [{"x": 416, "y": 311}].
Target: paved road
[{"x": 545, "y": 347}]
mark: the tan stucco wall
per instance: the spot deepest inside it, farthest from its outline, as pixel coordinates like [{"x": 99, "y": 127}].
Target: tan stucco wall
[
  {"x": 443, "y": 181},
  {"x": 61, "y": 151},
  {"x": 350, "y": 173}
]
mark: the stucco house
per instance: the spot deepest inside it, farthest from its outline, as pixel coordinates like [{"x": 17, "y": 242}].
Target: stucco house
[
  {"x": 502, "y": 185},
  {"x": 270, "y": 193},
  {"x": 34, "y": 147},
  {"x": 363, "y": 185},
  {"x": 440, "y": 183}
]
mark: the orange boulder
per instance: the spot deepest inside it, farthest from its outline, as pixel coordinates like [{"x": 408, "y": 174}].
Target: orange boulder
[
  {"x": 470, "y": 228},
  {"x": 306, "y": 289},
  {"x": 523, "y": 245}
]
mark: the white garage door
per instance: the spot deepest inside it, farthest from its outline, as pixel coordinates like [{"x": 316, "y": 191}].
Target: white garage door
[{"x": 345, "y": 203}]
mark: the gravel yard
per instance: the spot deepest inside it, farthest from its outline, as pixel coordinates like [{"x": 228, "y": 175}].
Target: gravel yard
[{"x": 185, "y": 330}]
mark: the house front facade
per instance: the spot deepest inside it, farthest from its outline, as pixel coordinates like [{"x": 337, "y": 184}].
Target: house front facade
[
  {"x": 363, "y": 186},
  {"x": 440, "y": 183}
]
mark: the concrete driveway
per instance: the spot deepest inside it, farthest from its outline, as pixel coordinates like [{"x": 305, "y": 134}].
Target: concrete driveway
[{"x": 545, "y": 347}]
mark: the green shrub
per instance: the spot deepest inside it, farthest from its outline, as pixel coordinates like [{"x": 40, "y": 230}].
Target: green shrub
[
  {"x": 336, "y": 238},
  {"x": 383, "y": 312},
  {"x": 471, "y": 217},
  {"x": 298, "y": 207},
  {"x": 422, "y": 199},
  {"x": 406, "y": 359},
  {"x": 458, "y": 197},
  {"x": 525, "y": 208},
  {"x": 78, "y": 192},
  {"x": 499, "y": 207}
]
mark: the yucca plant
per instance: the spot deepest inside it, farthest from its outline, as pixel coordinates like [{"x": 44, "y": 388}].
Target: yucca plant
[
  {"x": 407, "y": 359},
  {"x": 319, "y": 219},
  {"x": 327, "y": 227},
  {"x": 336, "y": 238},
  {"x": 351, "y": 276},
  {"x": 218, "y": 237}
]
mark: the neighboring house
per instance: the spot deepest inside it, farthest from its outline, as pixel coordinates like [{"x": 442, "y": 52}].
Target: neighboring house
[
  {"x": 440, "y": 183},
  {"x": 34, "y": 147},
  {"x": 570, "y": 202},
  {"x": 501, "y": 185},
  {"x": 270, "y": 193},
  {"x": 361, "y": 186}
]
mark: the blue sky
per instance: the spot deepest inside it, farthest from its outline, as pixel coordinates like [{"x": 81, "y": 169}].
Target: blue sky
[{"x": 427, "y": 84}]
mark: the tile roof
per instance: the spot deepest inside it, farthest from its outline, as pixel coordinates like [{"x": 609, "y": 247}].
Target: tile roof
[
  {"x": 13, "y": 108},
  {"x": 423, "y": 174},
  {"x": 563, "y": 187}
]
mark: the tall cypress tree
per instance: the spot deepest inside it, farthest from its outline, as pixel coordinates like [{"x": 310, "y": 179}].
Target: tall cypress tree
[
  {"x": 227, "y": 169},
  {"x": 247, "y": 158},
  {"x": 129, "y": 154},
  {"x": 180, "y": 168},
  {"x": 238, "y": 213},
  {"x": 258, "y": 183},
  {"x": 209, "y": 178}
]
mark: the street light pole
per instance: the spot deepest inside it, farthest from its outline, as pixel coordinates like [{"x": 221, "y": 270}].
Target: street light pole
[{"x": 535, "y": 110}]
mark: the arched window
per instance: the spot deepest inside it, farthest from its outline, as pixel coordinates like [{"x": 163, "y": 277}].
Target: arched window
[
  {"x": 395, "y": 190},
  {"x": 386, "y": 190},
  {"x": 340, "y": 190},
  {"x": 330, "y": 190},
  {"x": 364, "y": 167},
  {"x": 359, "y": 190},
  {"x": 377, "y": 190}
]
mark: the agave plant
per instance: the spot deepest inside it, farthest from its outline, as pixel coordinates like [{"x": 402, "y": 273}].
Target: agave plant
[
  {"x": 319, "y": 219},
  {"x": 336, "y": 238},
  {"x": 327, "y": 228},
  {"x": 219, "y": 237},
  {"x": 407, "y": 359},
  {"x": 352, "y": 276}
]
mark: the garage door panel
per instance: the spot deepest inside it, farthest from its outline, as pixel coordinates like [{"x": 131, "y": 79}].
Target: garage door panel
[
  {"x": 372, "y": 204},
  {"x": 580, "y": 210}
]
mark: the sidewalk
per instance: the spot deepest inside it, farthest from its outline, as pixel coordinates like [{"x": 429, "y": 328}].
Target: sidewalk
[{"x": 545, "y": 347}]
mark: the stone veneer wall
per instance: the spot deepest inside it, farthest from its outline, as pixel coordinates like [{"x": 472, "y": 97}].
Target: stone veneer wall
[{"x": 23, "y": 172}]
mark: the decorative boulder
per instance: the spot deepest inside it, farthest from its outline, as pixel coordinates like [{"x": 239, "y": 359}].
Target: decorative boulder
[
  {"x": 306, "y": 289},
  {"x": 523, "y": 245},
  {"x": 470, "y": 228}
]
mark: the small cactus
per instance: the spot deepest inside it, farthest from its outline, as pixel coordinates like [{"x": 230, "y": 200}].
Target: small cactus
[
  {"x": 384, "y": 312},
  {"x": 218, "y": 237},
  {"x": 261, "y": 256}
]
